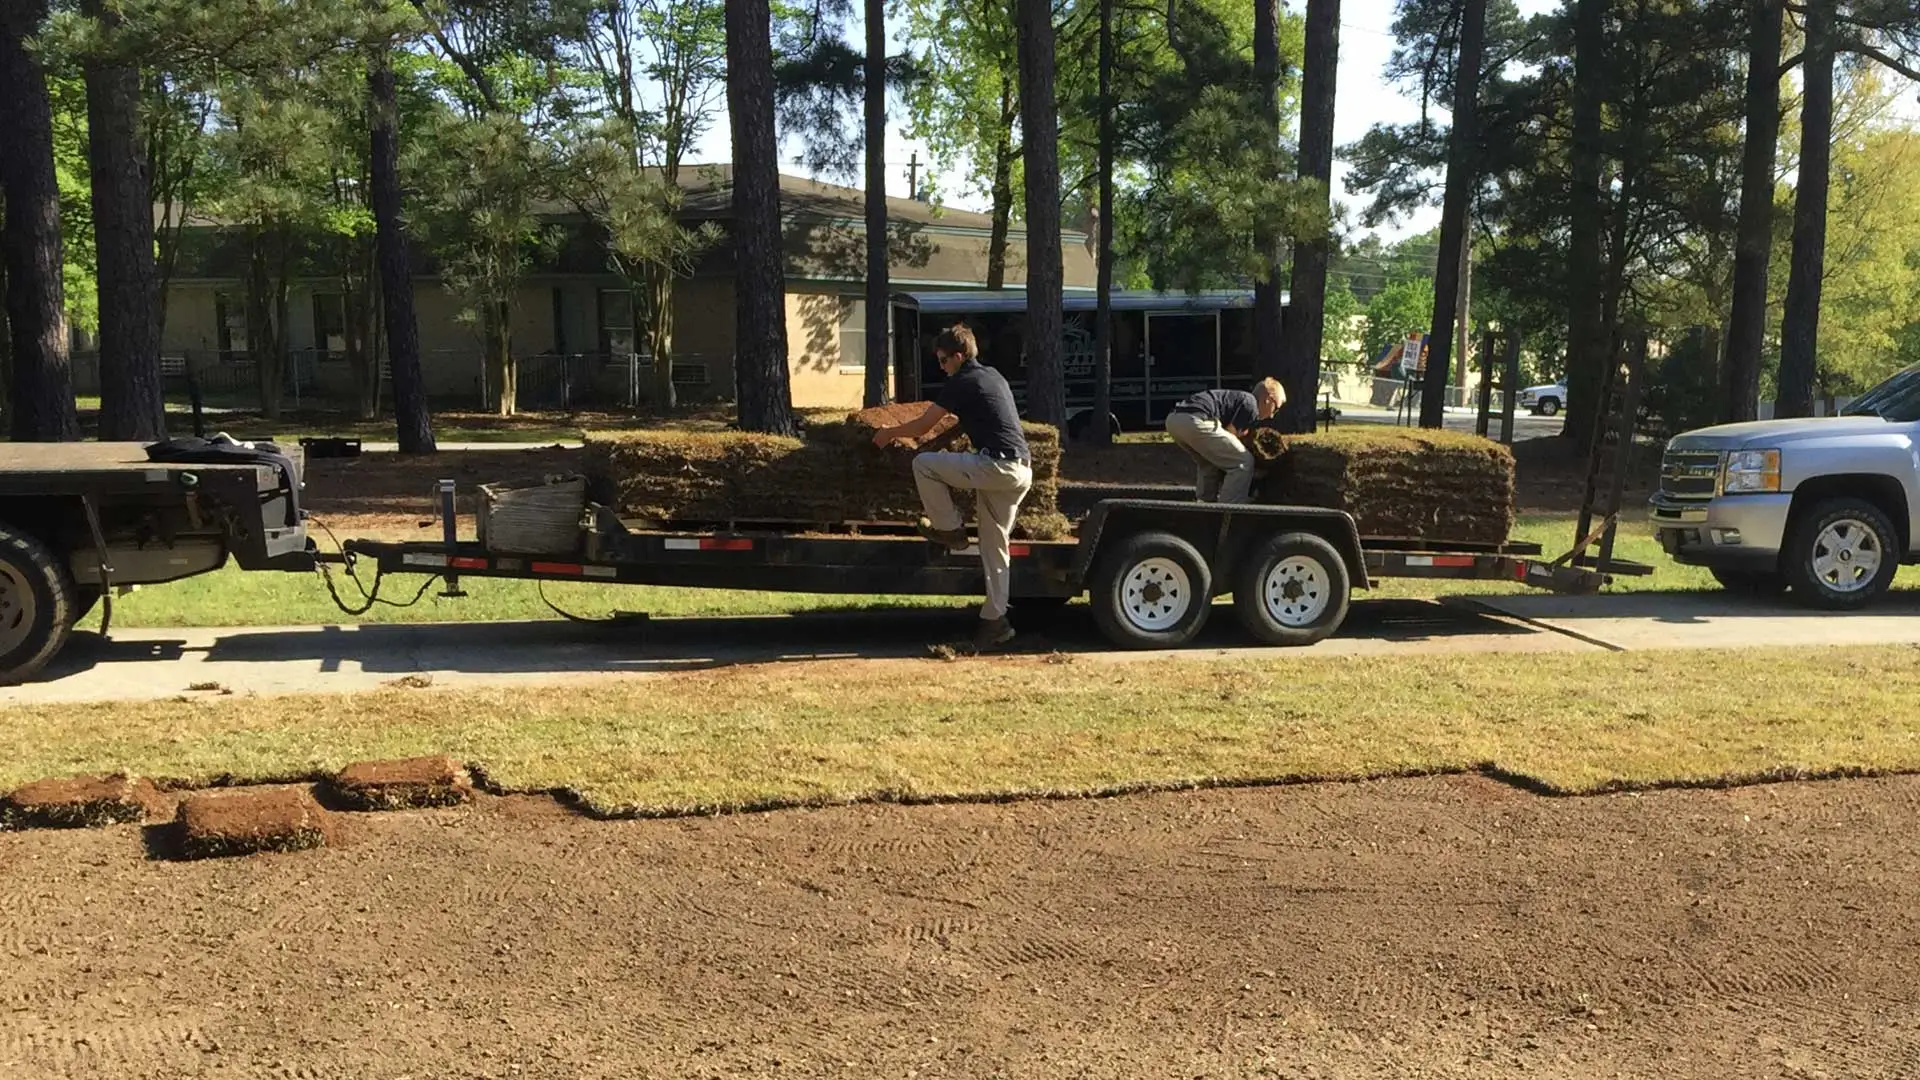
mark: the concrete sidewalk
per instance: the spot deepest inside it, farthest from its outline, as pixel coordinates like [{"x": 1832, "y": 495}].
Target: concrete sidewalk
[
  {"x": 161, "y": 663},
  {"x": 1709, "y": 620}
]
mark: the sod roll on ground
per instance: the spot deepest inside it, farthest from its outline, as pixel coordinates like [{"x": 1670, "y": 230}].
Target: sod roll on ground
[
  {"x": 1396, "y": 482},
  {"x": 831, "y": 474}
]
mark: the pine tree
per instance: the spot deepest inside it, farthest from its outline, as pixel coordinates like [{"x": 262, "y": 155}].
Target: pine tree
[
  {"x": 764, "y": 387},
  {"x": 41, "y": 394}
]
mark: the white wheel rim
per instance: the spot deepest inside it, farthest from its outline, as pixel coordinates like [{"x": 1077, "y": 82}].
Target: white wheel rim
[
  {"x": 1156, "y": 594},
  {"x": 16, "y": 610},
  {"x": 1847, "y": 555},
  {"x": 1297, "y": 591}
]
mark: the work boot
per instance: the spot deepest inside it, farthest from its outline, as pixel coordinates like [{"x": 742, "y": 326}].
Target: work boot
[
  {"x": 992, "y": 634},
  {"x": 951, "y": 539}
]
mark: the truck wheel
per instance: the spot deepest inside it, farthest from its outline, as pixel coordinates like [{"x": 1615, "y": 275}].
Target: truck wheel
[
  {"x": 1549, "y": 407},
  {"x": 1841, "y": 554},
  {"x": 85, "y": 599},
  {"x": 1293, "y": 590},
  {"x": 1760, "y": 583},
  {"x": 1154, "y": 591},
  {"x": 36, "y": 606}
]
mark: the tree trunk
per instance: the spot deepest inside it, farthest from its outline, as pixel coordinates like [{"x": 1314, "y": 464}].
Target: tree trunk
[
  {"x": 1586, "y": 347},
  {"x": 1304, "y": 330},
  {"x": 41, "y": 390},
  {"x": 260, "y": 348},
  {"x": 1462, "y": 153},
  {"x": 356, "y": 302},
  {"x": 1800, "y": 328},
  {"x": 1269, "y": 320},
  {"x": 1747, "y": 326},
  {"x": 1099, "y": 429},
  {"x": 878, "y": 355},
  {"x": 764, "y": 387},
  {"x": 1002, "y": 199},
  {"x": 132, "y": 392},
  {"x": 504, "y": 372},
  {"x": 658, "y": 284},
  {"x": 1040, "y": 125},
  {"x": 413, "y": 423}
]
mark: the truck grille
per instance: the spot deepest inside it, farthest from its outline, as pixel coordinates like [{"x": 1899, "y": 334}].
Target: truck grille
[{"x": 1689, "y": 474}]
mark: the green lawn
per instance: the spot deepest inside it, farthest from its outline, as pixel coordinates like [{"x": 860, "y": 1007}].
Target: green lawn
[
  {"x": 833, "y": 732},
  {"x": 233, "y": 598}
]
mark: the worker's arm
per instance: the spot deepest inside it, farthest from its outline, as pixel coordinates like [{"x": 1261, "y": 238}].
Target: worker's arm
[{"x": 912, "y": 429}]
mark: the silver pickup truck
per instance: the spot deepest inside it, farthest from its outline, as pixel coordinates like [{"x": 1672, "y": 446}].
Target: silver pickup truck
[{"x": 1827, "y": 507}]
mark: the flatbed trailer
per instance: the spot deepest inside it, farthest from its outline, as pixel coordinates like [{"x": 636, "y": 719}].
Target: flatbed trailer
[
  {"x": 79, "y": 520},
  {"x": 1150, "y": 568}
]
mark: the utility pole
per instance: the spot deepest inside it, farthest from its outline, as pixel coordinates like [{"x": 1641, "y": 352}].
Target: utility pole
[{"x": 913, "y": 176}]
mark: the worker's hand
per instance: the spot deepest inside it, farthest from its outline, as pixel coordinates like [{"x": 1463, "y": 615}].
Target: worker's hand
[{"x": 884, "y": 436}]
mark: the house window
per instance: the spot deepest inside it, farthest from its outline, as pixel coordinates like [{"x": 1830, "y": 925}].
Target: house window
[
  {"x": 230, "y": 327},
  {"x": 853, "y": 335},
  {"x": 330, "y": 325},
  {"x": 617, "y": 337}
]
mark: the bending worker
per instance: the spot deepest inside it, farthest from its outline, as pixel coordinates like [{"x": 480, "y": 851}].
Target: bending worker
[
  {"x": 999, "y": 471},
  {"x": 1210, "y": 425}
]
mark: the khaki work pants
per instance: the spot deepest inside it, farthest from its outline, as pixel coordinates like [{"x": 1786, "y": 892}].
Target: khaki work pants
[
  {"x": 998, "y": 487},
  {"x": 1224, "y": 466}
]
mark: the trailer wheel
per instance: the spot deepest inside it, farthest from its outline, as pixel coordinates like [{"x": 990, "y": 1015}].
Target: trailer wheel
[
  {"x": 1154, "y": 591},
  {"x": 1293, "y": 590},
  {"x": 36, "y": 606}
]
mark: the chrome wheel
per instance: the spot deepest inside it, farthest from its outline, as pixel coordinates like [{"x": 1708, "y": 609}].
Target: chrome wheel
[
  {"x": 1847, "y": 555},
  {"x": 1297, "y": 592},
  {"x": 1155, "y": 595}
]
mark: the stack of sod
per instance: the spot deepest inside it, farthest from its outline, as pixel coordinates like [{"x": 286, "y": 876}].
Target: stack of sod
[
  {"x": 834, "y": 474},
  {"x": 1396, "y": 482}
]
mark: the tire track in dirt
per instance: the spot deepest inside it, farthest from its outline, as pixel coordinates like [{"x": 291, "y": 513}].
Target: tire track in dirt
[{"x": 132, "y": 1047}]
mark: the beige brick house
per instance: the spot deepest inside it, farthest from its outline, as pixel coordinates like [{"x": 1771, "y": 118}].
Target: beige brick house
[{"x": 573, "y": 322}]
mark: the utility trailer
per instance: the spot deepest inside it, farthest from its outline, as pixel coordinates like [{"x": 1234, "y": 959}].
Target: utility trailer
[
  {"x": 79, "y": 520},
  {"x": 1151, "y": 568}
]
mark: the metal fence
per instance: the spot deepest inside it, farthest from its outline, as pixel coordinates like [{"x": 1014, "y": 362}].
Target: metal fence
[{"x": 457, "y": 380}]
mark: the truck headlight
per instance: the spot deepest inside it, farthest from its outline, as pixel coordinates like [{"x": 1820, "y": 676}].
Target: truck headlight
[{"x": 1751, "y": 471}]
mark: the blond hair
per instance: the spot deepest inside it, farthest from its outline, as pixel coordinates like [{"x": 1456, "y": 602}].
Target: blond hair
[{"x": 1271, "y": 389}]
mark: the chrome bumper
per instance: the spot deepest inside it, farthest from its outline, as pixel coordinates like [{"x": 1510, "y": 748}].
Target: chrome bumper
[{"x": 1725, "y": 530}]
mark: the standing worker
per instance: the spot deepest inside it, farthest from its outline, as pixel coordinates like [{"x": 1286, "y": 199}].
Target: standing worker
[
  {"x": 999, "y": 471},
  {"x": 1210, "y": 425}
]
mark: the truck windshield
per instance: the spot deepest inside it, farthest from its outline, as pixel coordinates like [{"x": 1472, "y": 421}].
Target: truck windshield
[{"x": 1897, "y": 399}]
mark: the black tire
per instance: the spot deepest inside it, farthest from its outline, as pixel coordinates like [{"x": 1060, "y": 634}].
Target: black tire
[
  {"x": 1757, "y": 583},
  {"x": 1824, "y": 549},
  {"x": 36, "y": 606},
  {"x": 85, "y": 599},
  {"x": 1080, "y": 424},
  {"x": 1292, "y": 590},
  {"x": 1549, "y": 407},
  {"x": 1152, "y": 591}
]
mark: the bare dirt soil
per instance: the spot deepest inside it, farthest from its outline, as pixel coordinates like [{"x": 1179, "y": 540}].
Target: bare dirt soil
[{"x": 1415, "y": 928}]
